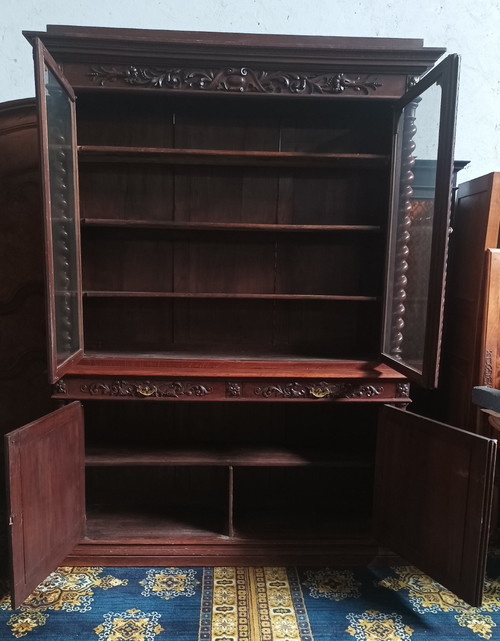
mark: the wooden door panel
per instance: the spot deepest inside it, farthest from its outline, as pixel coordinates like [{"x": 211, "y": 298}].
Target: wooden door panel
[
  {"x": 433, "y": 498},
  {"x": 45, "y": 463}
]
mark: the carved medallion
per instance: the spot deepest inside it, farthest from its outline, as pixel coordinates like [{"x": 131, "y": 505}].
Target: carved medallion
[
  {"x": 230, "y": 79},
  {"x": 233, "y": 389}
]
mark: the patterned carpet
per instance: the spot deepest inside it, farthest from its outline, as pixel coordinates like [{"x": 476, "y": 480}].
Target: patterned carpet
[{"x": 249, "y": 604}]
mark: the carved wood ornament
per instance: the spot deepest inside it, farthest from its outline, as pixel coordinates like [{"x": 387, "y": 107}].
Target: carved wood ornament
[
  {"x": 146, "y": 389},
  {"x": 319, "y": 390},
  {"x": 239, "y": 79}
]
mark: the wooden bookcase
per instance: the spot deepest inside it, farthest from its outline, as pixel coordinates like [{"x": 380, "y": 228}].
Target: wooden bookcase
[{"x": 235, "y": 287}]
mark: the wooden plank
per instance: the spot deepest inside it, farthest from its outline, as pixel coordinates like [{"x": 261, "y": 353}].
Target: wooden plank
[
  {"x": 211, "y": 295},
  {"x": 94, "y": 153},
  {"x": 215, "y": 226},
  {"x": 227, "y": 456}
]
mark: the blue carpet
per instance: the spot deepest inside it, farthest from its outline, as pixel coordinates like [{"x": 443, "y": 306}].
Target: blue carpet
[{"x": 249, "y": 604}]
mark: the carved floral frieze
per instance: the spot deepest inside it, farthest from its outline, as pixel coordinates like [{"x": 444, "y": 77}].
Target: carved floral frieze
[
  {"x": 319, "y": 390},
  {"x": 230, "y": 79},
  {"x": 145, "y": 389}
]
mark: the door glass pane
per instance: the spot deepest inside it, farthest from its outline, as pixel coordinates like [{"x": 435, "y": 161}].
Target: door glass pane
[
  {"x": 411, "y": 235},
  {"x": 62, "y": 213}
]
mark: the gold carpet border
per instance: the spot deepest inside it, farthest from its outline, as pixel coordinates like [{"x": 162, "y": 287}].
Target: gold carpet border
[{"x": 252, "y": 604}]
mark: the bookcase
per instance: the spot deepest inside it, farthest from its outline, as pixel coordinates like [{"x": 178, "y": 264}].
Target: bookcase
[{"x": 234, "y": 290}]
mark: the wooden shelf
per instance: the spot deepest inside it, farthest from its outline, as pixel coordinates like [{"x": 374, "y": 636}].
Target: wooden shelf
[
  {"x": 227, "y": 296},
  {"x": 221, "y": 457},
  {"x": 95, "y": 153},
  {"x": 148, "y": 523},
  {"x": 208, "y": 226}
]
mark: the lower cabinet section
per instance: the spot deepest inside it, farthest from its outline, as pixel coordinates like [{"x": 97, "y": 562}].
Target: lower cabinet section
[
  {"x": 275, "y": 479},
  {"x": 145, "y": 483}
]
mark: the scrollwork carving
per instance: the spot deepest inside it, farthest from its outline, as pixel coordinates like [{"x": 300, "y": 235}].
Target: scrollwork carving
[
  {"x": 321, "y": 389},
  {"x": 233, "y": 79},
  {"x": 290, "y": 390},
  {"x": 364, "y": 391},
  {"x": 146, "y": 389}
]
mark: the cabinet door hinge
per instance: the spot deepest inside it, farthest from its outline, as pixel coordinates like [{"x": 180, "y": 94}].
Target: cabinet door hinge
[{"x": 11, "y": 519}]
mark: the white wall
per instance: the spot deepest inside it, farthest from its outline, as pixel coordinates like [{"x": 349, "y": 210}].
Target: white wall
[{"x": 469, "y": 28}]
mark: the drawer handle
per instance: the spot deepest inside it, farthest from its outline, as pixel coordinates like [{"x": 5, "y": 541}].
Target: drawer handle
[
  {"x": 146, "y": 390},
  {"x": 320, "y": 391}
]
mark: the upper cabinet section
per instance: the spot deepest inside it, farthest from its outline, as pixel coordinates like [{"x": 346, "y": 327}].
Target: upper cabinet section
[{"x": 228, "y": 197}]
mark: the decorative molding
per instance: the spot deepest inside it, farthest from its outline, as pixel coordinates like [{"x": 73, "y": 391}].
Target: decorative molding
[
  {"x": 233, "y": 389},
  {"x": 230, "y": 79},
  {"x": 403, "y": 390},
  {"x": 488, "y": 368},
  {"x": 146, "y": 389},
  {"x": 290, "y": 390},
  {"x": 366, "y": 391},
  {"x": 318, "y": 390}
]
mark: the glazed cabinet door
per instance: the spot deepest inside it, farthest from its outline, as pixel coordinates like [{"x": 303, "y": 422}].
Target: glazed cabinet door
[
  {"x": 45, "y": 472},
  {"x": 418, "y": 230},
  {"x": 433, "y": 497},
  {"x": 56, "y": 104}
]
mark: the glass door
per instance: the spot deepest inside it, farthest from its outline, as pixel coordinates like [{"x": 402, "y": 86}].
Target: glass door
[
  {"x": 56, "y": 104},
  {"x": 418, "y": 231}
]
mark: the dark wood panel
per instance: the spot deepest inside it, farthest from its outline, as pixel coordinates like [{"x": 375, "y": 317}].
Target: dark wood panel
[
  {"x": 433, "y": 498},
  {"x": 349, "y": 265},
  {"x": 226, "y": 194},
  {"x": 333, "y": 197},
  {"x": 110, "y": 119},
  {"x": 127, "y": 191},
  {"x": 235, "y": 264},
  {"x": 118, "y": 261},
  {"x": 47, "y": 504}
]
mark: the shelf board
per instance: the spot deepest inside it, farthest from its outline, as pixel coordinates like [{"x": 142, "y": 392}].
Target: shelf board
[
  {"x": 149, "y": 523},
  {"x": 208, "y": 226},
  {"x": 221, "y": 457},
  {"x": 96, "y": 153},
  {"x": 228, "y": 296}
]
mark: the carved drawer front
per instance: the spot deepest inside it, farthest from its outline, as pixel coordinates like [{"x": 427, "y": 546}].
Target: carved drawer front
[{"x": 237, "y": 389}]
